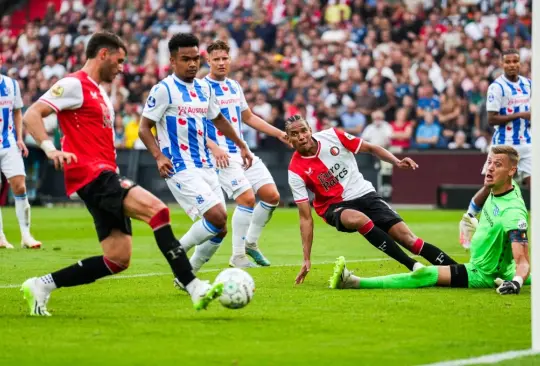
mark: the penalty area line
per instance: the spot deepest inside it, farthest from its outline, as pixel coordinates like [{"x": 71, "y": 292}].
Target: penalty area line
[{"x": 488, "y": 359}]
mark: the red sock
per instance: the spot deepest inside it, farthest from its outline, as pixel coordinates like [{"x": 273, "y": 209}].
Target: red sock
[
  {"x": 417, "y": 246},
  {"x": 162, "y": 218},
  {"x": 368, "y": 226},
  {"x": 113, "y": 267}
]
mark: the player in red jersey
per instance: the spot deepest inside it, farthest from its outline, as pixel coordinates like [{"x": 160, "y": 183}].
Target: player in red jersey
[
  {"x": 88, "y": 157},
  {"x": 324, "y": 164}
]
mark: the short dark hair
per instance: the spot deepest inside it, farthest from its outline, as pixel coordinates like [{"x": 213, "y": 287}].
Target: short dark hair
[
  {"x": 101, "y": 40},
  {"x": 510, "y": 51},
  {"x": 218, "y": 45},
  {"x": 182, "y": 40},
  {"x": 292, "y": 119}
]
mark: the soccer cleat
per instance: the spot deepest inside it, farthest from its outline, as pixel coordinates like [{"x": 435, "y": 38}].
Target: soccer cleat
[
  {"x": 205, "y": 293},
  {"x": 179, "y": 285},
  {"x": 28, "y": 242},
  {"x": 241, "y": 261},
  {"x": 341, "y": 276},
  {"x": 4, "y": 243},
  {"x": 36, "y": 297},
  {"x": 254, "y": 252},
  {"x": 467, "y": 228}
]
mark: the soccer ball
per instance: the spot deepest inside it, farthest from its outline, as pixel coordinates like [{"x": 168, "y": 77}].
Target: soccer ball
[{"x": 238, "y": 288}]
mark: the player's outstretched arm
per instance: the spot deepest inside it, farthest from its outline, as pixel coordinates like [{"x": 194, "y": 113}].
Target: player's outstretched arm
[
  {"x": 33, "y": 122},
  {"x": 306, "y": 232},
  {"x": 385, "y": 155},
  {"x": 225, "y": 127},
  {"x": 165, "y": 165},
  {"x": 261, "y": 125}
]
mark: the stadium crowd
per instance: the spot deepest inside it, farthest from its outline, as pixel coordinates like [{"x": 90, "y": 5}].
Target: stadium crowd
[{"x": 403, "y": 74}]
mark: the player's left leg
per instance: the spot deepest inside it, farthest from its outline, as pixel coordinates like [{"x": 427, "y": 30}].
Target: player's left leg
[
  {"x": 263, "y": 184},
  {"x": 12, "y": 166},
  {"x": 454, "y": 276},
  {"x": 22, "y": 210}
]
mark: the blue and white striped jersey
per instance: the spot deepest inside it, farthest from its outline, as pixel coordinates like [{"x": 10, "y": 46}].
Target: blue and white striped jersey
[
  {"x": 182, "y": 111},
  {"x": 232, "y": 103},
  {"x": 506, "y": 98},
  {"x": 10, "y": 99}
]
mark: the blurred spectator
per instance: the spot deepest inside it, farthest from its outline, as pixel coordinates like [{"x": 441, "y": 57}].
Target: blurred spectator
[
  {"x": 460, "y": 141},
  {"x": 401, "y": 131},
  {"x": 379, "y": 132},
  {"x": 353, "y": 121},
  {"x": 428, "y": 133}
]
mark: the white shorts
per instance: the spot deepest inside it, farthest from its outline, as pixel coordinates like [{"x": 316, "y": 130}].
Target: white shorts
[
  {"x": 525, "y": 161},
  {"x": 11, "y": 162},
  {"x": 235, "y": 180},
  {"x": 196, "y": 190}
]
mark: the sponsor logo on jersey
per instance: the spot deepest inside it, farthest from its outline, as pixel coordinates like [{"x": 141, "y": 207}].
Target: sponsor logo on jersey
[
  {"x": 331, "y": 177},
  {"x": 522, "y": 224},
  {"x": 334, "y": 150},
  {"x": 151, "y": 102},
  {"x": 57, "y": 91}
]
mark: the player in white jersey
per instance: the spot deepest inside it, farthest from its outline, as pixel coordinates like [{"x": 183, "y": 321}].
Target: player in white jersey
[
  {"x": 324, "y": 164},
  {"x": 509, "y": 112},
  {"x": 249, "y": 218},
  {"x": 12, "y": 148},
  {"x": 181, "y": 106}
]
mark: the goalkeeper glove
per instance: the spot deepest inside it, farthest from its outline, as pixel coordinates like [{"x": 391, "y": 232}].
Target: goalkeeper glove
[
  {"x": 467, "y": 228},
  {"x": 509, "y": 287}
]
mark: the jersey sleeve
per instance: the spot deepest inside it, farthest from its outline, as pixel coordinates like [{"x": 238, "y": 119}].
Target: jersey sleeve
[
  {"x": 298, "y": 187},
  {"x": 67, "y": 93},
  {"x": 514, "y": 221},
  {"x": 18, "y": 98},
  {"x": 243, "y": 102},
  {"x": 350, "y": 142},
  {"x": 213, "y": 106},
  {"x": 494, "y": 98},
  {"x": 156, "y": 103}
]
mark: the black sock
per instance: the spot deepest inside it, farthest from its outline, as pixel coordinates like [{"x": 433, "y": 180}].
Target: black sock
[
  {"x": 86, "y": 271},
  {"x": 175, "y": 254},
  {"x": 436, "y": 256},
  {"x": 382, "y": 241}
]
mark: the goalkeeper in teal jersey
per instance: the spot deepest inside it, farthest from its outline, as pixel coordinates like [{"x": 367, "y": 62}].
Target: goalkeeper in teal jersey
[{"x": 499, "y": 247}]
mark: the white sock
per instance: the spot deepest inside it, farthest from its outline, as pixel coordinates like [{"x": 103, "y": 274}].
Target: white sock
[
  {"x": 199, "y": 232},
  {"x": 22, "y": 209},
  {"x": 190, "y": 287},
  {"x": 241, "y": 220},
  {"x": 47, "y": 282},
  {"x": 204, "y": 252},
  {"x": 261, "y": 215}
]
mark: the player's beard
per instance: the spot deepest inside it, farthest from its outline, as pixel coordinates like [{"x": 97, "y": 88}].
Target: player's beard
[{"x": 107, "y": 73}]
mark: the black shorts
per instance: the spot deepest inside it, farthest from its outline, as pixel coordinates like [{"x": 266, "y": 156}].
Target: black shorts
[
  {"x": 372, "y": 205},
  {"x": 104, "y": 199}
]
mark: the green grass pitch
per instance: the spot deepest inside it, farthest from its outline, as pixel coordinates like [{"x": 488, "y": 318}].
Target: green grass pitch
[{"x": 144, "y": 321}]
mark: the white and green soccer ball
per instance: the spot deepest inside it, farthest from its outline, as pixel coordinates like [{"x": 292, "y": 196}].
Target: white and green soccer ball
[{"x": 238, "y": 288}]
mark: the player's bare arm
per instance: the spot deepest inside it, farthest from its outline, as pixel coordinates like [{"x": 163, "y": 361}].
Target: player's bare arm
[
  {"x": 164, "y": 164},
  {"x": 220, "y": 156},
  {"x": 520, "y": 252},
  {"x": 306, "y": 232},
  {"x": 225, "y": 127},
  {"x": 260, "y": 125},
  {"x": 494, "y": 118},
  {"x": 385, "y": 155},
  {"x": 33, "y": 122},
  {"x": 17, "y": 119}
]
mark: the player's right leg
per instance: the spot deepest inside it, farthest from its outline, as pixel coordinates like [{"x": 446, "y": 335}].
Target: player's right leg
[
  {"x": 4, "y": 243},
  {"x": 346, "y": 219},
  {"x": 453, "y": 276},
  {"x": 199, "y": 194}
]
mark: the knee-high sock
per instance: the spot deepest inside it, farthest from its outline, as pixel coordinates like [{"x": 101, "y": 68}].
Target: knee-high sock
[
  {"x": 198, "y": 233},
  {"x": 22, "y": 210},
  {"x": 423, "y": 277},
  {"x": 241, "y": 220},
  {"x": 261, "y": 215},
  {"x": 204, "y": 252}
]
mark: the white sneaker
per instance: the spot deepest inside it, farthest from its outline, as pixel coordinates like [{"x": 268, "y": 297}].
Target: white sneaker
[
  {"x": 36, "y": 297},
  {"x": 28, "y": 242},
  {"x": 4, "y": 243},
  {"x": 203, "y": 293},
  {"x": 241, "y": 261}
]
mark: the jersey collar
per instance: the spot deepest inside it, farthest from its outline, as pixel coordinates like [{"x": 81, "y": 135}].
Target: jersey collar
[
  {"x": 215, "y": 81},
  {"x": 508, "y": 81},
  {"x": 177, "y": 79},
  {"x": 318, "y": 150},
  {"x": 504, "y": 193}
]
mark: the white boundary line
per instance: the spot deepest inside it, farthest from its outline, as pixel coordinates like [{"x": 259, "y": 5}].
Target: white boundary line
[
  {"x": 154, "y": 274},
  {"x": 487, "y": 359}
]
